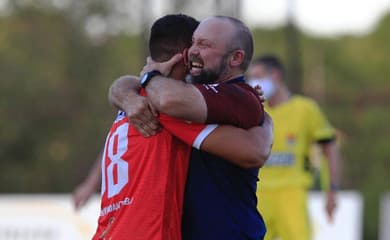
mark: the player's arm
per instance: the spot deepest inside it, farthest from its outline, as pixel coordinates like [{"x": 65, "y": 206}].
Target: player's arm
[
  {"x": 88, "y": 187},
  {"x": 245, "y": 148},
  {"x": 177, "y": 99},
  {"x": 196, "y": 103},
  {"x": 124, "y": 95},
  {"x": 124, "y": 91},
  {"x": 225, "y": 103},
  {"x": 325, "y": 136},
  {"x": 172, "y": 97},
  {"x": 202, "y": 103},
  {"x": 332, "y": 154}
]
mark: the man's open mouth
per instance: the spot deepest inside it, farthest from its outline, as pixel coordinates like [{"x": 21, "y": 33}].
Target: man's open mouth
[{"x": 195, "y": 63}]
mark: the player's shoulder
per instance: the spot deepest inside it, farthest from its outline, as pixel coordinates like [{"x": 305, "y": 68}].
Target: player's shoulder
[
  {"x": 241, "y": 84},
  {"x": 230, "y": 89},
  {"x": 240, "y": 87},
  {"x": 306, "y": 105},
  {"x": 304, "y": 101}
]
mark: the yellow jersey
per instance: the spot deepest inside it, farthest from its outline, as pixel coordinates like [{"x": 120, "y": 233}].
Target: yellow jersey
[{"x": 298, "y": 123}]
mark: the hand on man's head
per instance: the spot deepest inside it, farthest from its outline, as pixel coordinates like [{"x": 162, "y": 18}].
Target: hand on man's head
[{"x": 164, "y": 68}]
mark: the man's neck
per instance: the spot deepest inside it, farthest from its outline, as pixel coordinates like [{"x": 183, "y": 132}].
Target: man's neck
[
  {"x": 281, "y": 96},
  {"x": 228, "y": 77}
]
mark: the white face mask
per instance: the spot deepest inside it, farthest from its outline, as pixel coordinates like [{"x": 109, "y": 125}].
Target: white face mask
[{"x": 266, "y": 85}]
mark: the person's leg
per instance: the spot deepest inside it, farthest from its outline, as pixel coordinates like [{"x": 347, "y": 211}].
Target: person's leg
[
  {"x": 266, "y": 206},
  {"x": 293, "y": 218}
]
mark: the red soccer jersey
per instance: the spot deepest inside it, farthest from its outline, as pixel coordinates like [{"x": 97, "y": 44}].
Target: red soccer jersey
[{"x": 143, "y": 180}]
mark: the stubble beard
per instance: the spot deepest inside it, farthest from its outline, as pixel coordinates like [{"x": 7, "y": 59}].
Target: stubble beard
[{"x": 209, "y": 76}]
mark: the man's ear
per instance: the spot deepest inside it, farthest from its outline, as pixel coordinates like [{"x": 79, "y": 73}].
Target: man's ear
[
  {"x": 185, "y": 56},
  {"x": 237, "y": 58}
]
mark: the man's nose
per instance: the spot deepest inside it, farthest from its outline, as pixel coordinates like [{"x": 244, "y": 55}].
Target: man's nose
[{"x": 193, "y": 50}]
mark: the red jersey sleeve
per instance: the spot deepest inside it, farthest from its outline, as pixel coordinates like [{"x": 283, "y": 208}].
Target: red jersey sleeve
[
  {"x": 232, "y": 103},
  {"x": 192, "y": 134}
]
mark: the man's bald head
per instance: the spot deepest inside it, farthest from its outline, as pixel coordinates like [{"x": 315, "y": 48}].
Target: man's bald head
[{"x": 241, "y": 38}]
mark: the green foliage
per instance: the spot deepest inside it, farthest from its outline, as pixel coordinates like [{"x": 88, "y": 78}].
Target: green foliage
[
  {"x": 54, "y": 112},
  {"x": 53, "y": 93}
]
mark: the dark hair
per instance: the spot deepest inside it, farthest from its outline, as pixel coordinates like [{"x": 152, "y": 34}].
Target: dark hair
[
  {"x": 170, "y": 35},
  {"x": 242, "y": 39},
  {"x": 270, "y": 62}
]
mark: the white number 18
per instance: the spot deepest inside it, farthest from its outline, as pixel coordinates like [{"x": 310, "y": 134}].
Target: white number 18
[{"x": 118, "y": 169}]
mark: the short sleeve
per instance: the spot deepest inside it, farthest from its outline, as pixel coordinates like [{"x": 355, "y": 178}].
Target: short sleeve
[
  {"x": 320, "y": 128},
  {"x": 232, "y": 103},
  {"x": 192, "y": 134}
]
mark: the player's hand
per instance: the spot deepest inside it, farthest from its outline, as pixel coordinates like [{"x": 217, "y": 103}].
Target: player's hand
[
  {"x": 330, "y": 205},
  {"x": 164, "y": 68},
  {"x": 81, "y": 194},
  {"x": 260, "y": 92},
  {"x": 142, "y": 115}
]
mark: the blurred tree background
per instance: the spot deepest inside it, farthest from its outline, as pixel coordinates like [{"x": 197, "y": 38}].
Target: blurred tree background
[{"x": 58, "y": 58}]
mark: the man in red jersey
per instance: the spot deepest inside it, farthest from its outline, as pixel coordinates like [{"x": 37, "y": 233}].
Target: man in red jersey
[{"x": 143, "y": 178}]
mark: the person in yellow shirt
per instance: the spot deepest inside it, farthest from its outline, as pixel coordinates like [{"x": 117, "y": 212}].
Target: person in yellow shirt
[{"x": 285, "y": 178}]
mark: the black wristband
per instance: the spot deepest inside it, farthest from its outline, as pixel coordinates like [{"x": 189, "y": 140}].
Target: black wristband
[{"x": 145, "y": 79}]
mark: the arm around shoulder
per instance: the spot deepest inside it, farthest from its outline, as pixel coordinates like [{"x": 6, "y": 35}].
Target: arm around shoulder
[
  {"x": 245, "y": 148},
  {"x": 177, "y": 99},
  {"x": 259, "y": 142},
  {"x": 122, "y": 90}
]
